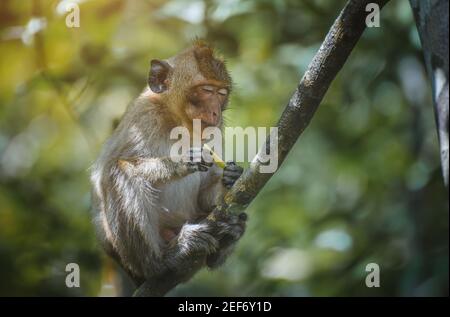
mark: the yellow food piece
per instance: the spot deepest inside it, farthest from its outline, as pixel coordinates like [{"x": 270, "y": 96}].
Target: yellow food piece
[{"x": 219, "y": 162}]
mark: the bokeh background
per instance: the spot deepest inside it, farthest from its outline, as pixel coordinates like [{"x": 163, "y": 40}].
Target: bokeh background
[{"x": 362, "y": 184}]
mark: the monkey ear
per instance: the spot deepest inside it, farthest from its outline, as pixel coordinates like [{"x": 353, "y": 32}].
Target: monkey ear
[{"x": 157, "y": 79}]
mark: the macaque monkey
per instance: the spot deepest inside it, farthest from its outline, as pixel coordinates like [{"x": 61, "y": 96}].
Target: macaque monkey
[{"x": 150, "y": 210}]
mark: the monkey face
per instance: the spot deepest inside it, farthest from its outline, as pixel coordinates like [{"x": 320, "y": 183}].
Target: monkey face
[
  {"x": 192, "y": 85},
  {"x": 206, "y": 102}
]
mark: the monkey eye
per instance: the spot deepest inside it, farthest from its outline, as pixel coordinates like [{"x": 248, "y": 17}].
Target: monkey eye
[
  {"x": 208, "y": 88},
  {"x": 223, "y": 92}
]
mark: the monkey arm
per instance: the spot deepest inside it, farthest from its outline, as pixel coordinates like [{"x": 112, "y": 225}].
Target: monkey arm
[
  {"x": 159, "y": 169},
  {"x": 211, "y": 190},
  {"x": 229, "y": 229},
  {"x": 216, "y": 183}
]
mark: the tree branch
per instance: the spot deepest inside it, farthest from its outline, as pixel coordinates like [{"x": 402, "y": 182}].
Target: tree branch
[
  {"x": 334, "y": 51},
  {"x": 432, "y": 25},
  {"x": 328, "y": 61}
]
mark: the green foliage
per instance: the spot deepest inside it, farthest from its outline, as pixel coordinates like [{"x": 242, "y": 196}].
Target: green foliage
[{"x": 362, "y": 185}]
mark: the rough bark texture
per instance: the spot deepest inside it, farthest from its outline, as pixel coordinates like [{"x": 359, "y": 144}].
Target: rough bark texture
[
  {"x": 432, "y": 23},
  {"x": 334, "y": 51}
]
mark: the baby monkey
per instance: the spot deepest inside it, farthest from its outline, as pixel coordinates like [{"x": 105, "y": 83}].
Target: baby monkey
[{"x": 150, "y": 210}]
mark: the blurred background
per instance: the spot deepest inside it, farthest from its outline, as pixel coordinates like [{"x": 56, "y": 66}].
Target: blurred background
[{"x": 363, "y": 183}]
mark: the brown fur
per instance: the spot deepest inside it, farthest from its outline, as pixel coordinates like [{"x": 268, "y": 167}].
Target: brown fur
[{"x": 147, "y": 206}]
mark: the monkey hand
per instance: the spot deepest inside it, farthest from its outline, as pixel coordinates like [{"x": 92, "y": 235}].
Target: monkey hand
[
  {"x": 229, "y": 229},
  {"x": 196, "y": 162},
  {"x": 231, "y": 173}
]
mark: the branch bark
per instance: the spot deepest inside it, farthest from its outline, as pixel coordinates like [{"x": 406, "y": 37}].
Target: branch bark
[
  {"x": 432, "y": 23},
  {"x": 328, "y": 61},
  {"x": 334, "y": 51}
]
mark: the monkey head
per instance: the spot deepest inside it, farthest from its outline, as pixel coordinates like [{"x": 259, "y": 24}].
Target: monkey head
[{"x": 194, "y": 84}]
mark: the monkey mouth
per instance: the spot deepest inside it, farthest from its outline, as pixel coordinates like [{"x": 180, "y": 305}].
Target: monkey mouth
[{"x": 206, "y": 124}]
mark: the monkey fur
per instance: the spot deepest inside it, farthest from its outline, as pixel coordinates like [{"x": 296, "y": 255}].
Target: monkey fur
[{"x": 150, "y": 211}]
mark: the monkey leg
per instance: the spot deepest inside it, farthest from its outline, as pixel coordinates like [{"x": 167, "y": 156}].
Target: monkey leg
[
  {"x": 196, "y": 245},
  {"x": 188, "y": 251},
  {"x": 196, "y": 239},
  {"x": 185, "y": 255}
]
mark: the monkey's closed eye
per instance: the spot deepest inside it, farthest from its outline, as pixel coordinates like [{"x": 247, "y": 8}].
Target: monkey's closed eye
[
  {"x": 223, "y": 92},
  {"x": 208, "y": 88}
]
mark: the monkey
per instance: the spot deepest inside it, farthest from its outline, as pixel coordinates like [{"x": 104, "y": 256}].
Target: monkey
[{"x": 149, "y": 209}]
